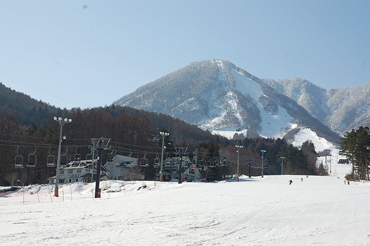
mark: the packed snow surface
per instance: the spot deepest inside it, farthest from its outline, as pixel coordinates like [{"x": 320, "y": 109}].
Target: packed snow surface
[
  {"x": 314, "y": 210},
  {"x": 254, "y": 211},
  {"x": 273, "y": 125},
  {"x": 307, "y": 134}
]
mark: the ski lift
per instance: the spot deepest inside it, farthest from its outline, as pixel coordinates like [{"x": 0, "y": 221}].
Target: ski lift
[
  {"x": 76, "y": 157},
  {"x": 32, "y": 159},
  {"x": 167, "y": 160},
  {"x": 50, "y": 160},
  {"x": 144, "y": 161},
  {"x": 89, "y": 157},
  {"x": 157, "y": 161},
  {"x": 18, "y": 159},
  {"x": 64, "y": 158}
]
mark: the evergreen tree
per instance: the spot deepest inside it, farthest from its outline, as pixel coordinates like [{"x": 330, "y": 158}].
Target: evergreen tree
[
  {"x": 308, "y": 149},
  {"x": 355, "y": 146},
  {"x": 348, "y": 145},
  {"x": 295, "y": 161}
]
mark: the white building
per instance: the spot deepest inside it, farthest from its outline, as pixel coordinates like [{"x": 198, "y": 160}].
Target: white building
[
  {"x": 79, "y": 171},
  {"x": 122, "y": 167}
]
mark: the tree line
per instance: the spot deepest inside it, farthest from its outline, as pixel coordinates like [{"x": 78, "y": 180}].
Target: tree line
[
  {"x": 355, "y": 146},
  {"x": 136, "y": 132}
]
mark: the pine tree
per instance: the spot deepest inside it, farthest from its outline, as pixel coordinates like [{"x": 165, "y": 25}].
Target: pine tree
[{"x": 355, "y": 146}]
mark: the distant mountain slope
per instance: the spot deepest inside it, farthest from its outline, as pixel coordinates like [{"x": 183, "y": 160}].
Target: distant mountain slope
[
  {"x": 24, "y": 107},
  {"x": 217, "y": 95},
  {"x": 341, "y": 109}
]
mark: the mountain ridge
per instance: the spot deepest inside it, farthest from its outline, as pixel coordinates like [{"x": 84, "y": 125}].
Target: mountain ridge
[
  {"x": 217, "y": 95},
  {"x": 341, "y": 109}
]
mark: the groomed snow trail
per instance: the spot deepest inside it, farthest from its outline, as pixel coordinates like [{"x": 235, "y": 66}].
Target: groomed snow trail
[{"x": 257, "y": 211}]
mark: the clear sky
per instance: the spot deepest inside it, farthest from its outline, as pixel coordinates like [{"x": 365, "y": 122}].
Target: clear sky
[{"x": 73, "y": 53}]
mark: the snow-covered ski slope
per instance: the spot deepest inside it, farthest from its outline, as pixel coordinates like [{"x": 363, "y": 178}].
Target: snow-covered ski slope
[{"x": 256, "y": 211}]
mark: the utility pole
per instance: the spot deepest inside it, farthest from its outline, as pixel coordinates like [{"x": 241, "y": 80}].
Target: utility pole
[
  {"x": 237, "y": 169},
  {"x": 99, "y": 144},
  {"x": 180, "y": 151},
  {"x": 163, "y": 134},
  {"x": 263, "y": 151},
  {"x": 61, "y": 122},
  {"x": 250, "y": 159}
]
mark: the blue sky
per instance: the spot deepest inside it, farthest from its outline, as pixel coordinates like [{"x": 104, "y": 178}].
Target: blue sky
[{"x": 74, "y": 53}]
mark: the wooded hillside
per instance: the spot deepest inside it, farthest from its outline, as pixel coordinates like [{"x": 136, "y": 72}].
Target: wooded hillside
[{"x": 27, "y": 129}]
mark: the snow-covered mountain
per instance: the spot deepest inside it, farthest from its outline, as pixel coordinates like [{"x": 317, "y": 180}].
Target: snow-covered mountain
[
  {"x": 341, "y": 109},
  {"x": 216, "y": 95}
]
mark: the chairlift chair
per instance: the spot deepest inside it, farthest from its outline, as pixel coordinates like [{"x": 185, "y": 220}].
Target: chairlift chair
[
  {"x": 76, "y": 157},
  {"x": 50, "y": 160},
  {"x": 19, "y": 159},
  {"x": 89, "y": 157},
  {"x": 167, "y": 163},
  {"x": 32, "y": 159},
  {"x": 64, "y": 158},
  {"x": 167, "y": 160},
  {"x": 157, "y": 161},
  {"x": 144, "y": 161}
]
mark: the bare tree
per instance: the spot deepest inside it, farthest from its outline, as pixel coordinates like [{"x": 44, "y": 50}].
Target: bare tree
[{"x": 11, "y": 178}]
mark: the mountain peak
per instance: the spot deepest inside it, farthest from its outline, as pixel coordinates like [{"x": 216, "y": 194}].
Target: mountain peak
[{"x": 217, "y": 95}]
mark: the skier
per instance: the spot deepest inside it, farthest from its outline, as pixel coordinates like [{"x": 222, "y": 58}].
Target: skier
[{"x": 290, "y": 182}]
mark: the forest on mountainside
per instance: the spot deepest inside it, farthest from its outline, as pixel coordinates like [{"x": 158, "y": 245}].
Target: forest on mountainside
[
  {"x": 136, "y": 132},
  {"x": 25, "y": 108}
]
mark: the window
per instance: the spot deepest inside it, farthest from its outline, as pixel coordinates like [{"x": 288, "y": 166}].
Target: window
[
  {"x": 79, "y": 170},
  {"x": 70, "y": 171}
]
